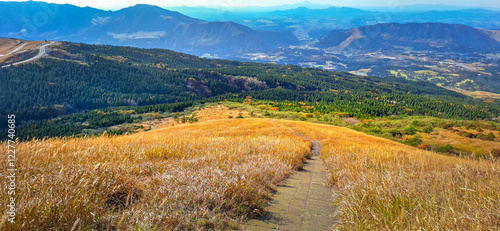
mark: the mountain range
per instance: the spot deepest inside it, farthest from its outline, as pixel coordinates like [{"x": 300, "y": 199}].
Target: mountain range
[
  {"x": 418, "y": 36},
  {"x": 143, "y": 26},
  {"x": 149, "y": 26}
]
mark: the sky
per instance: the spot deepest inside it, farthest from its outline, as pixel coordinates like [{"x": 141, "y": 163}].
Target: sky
[{"x": 119, "y": 4}]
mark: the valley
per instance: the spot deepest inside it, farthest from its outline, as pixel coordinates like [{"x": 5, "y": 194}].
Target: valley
[
  {"x": 303, "y": 116},
  {"x": 472, "y": 72},
  {"x": 456, "y": 48}
]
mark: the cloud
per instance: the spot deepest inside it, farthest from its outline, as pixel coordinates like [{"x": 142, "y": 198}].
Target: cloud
[
  {"x": 139, "y": 35},
  {"x": 100, "y": 20}
]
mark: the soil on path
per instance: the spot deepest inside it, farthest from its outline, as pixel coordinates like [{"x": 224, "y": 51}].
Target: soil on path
[{"x": 303, "y": 203}]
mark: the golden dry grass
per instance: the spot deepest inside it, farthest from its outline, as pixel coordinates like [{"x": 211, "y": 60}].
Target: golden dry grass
[
  {"x": 468, "y": 145},
  {"x": 212, "y": 174},
  {"x": 482, "y": 95},
  {"x": 8, "y": 45},
  {"x": 207, "y": 175},
  {"x": 384, "y": 185},
  {"x": 212, "y": 112},
  {"x": 222, "y": 112}
]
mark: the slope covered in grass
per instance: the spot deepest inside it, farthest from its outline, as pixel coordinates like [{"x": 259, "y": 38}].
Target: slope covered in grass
[
  {"x": 215, "y": 173},
  {"x": 384, "y": 185},
  {"x": 202, "y": 176}
]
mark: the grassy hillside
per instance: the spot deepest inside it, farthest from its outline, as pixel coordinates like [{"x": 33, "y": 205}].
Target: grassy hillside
[
  {"x": 386, "y": 185},
  {"x": 79, "y": 77},
  {"x": 202, "y": 176},
  {"x": 216, "y": 173}
]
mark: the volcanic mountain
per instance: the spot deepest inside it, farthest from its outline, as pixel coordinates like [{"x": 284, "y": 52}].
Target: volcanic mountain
[{"x": 417, "y": 36}]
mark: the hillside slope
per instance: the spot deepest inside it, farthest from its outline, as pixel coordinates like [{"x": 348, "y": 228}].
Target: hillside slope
[
  {"x": 79, "y": 77},
  {"x": 215, "y": 174}
]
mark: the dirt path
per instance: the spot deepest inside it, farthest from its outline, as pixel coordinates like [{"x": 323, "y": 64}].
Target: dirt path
[{"x": 303, "y": 203}]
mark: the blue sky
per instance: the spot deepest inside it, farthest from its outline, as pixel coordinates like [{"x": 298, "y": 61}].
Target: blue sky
[{"x": 114, "y": 4}]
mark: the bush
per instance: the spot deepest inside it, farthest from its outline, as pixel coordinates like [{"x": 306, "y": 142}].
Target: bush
[
  {"x": 482, "y": 136},
  {"x": 466, "y": 134},
  {"x": 446, "y": 148},
  {"x": 491, "y": 136},
  {"x": 424, "y": 146},
  {"x": 396, "y": 133},
  {"x": 495, "y": 153},
  {"x": 414, "y": 141},
  {"x": 444, "y": 125},
  {"x": 410, "y": 130},
  {"x": 375, "y": 130},
  {"x": 428, "y": 129},
  {"x": 417, "y": 123}
]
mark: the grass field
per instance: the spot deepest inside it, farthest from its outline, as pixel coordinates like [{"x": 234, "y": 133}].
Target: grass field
[
  {"x": 201, "y": 176},
  {"x": 384, "y": 185},
  {"x": 482, "y": 95},
  {"x": 216, "y": 173}
]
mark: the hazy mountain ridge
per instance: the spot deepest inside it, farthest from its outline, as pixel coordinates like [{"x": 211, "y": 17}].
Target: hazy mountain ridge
[
  {"x": 419, "y": 36},
  {"x": 141, "y": 26}
]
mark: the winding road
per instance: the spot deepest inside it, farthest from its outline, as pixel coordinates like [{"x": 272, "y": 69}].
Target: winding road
[{"x": 39, "y": 55}]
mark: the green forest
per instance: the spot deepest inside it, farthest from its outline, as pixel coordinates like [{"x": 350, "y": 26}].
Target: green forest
[{"x": 49, "y": 96}]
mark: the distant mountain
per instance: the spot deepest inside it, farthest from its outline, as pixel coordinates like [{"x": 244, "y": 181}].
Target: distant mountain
[
  {"x": 141, "y": 26},
  {"x": 418, "y": 36},
  {"x": 419, "y": 8},
  {"x": 330, "y": 12}
]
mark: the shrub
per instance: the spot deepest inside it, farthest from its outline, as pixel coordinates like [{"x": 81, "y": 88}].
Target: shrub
[
  {"x": 466, "y": 134},
  {"x": 446, "y": 148},
  {"x": 414, "y": 141},
  {"x": 495, "y": 153},
  {"x": 343, "y": 114},
  {"x": 375, "y": 130},
  {"x": 444, "y": 125},
  {"x": 482, "y": 136},
  {"x": 424, "y": 146},
  {"x": 491, "y": 136},
  {"x": 396, "y": 132},
  {"x": 410, "y": 130},
  {"x": 417, "y": 123},
  {"x": 428, "y": 129}
]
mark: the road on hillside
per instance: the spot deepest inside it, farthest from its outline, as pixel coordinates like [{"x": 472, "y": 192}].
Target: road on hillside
[
  {"x": 39, "y": 55},
  {"x": 17, "y": 48}
]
